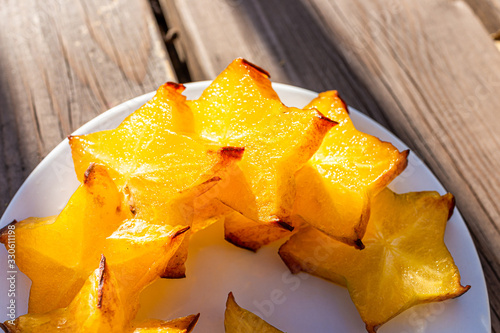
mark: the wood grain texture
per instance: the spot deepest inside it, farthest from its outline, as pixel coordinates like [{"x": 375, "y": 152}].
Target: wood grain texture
[
  {"x": 426, "y": 69},
  {"x": 63, "y": 63},
  {"x": 488, "y": 12}
]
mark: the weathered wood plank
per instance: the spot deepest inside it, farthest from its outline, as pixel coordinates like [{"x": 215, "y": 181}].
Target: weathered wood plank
[
  {"x": 61, "y": 64},
  {"x": 489, "y": 13},
  {"x": 426, "y": 69}
]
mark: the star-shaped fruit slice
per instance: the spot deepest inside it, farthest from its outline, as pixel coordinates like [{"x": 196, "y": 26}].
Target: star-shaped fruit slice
[
  {"x": 159, "y": 171},
  {"x": 239, "y": 320},
  {"x": 98, "y": 308},
  {"x": 49, "y": 250},
  {"x": 138, "y": 252},
  {"x": 241, "y": 109},
  {"x": 61, "y": 251},
  {"x": 405, "y": 261},
  {"x": 335, "y": 187},
  {"x": 149, "y": 162}
]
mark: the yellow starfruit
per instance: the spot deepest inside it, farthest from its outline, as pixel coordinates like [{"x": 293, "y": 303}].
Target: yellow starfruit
[
  {"x": 335, "y": 188},
  {"x": 240, "y": 108},
  {"x": 405, "y": 261}
]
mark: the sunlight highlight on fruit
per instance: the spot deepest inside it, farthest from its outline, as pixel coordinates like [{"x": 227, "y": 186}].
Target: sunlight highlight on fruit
[
  {"x": 335, "y": 188},
  {"x": 405, "y": 261}
]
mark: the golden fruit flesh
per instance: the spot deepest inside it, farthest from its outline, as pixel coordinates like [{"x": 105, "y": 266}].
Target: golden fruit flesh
[
  {"x": 78, "y": 227},
  {"x": 150, "y": 164},
  {"x": 405, "y": 261},
  {"x": 93, "y": 222},
  {"x": 239, "y": 320},
  {"x": 160, "y": 172},
  {"x": 335, "y": 187},
  {"x": 101, "y": 306},
  {"x": 241, "y": 109},
  {"x": 96, "y": 308}
]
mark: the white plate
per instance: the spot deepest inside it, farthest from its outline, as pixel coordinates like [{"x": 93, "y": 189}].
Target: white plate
[{"x": 259, "y": 281}]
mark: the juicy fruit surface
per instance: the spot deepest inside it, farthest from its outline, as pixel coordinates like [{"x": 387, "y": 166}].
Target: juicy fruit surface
[
  {"x": 239, "y": 320},
  {"x": 148, "y": 161},
  {"x": 159, "y": 172},
  {"x": 93, "y": 212},
  {"x": 405, "y": 261},
  {"x": 96, "y": 308},
  {"x": 335, "y": 187},
  {"x": 93, "y": 222},
  {"x": 99, "y": 307},
  {"x": 241, "y": 109}
]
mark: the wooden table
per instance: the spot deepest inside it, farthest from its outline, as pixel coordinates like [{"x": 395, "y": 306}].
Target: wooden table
[{"x": 428, "y": 70}]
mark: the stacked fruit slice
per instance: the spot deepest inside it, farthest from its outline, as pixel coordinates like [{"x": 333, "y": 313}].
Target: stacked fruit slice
[
  {"x": 335, "y": 188},
  {"x": 238, "y": 155},
  {"x": 159, "y": 172},
  {"x": 101, "y": 306},
  {"x": 404, "y": 263},
  {"x": 240, "y": 108}
]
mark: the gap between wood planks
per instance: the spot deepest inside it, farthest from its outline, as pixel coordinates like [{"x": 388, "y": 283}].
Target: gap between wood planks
[{"x": 169, "y": 35}]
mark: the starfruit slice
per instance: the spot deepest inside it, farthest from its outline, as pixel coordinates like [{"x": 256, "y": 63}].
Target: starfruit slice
[
  {"x": 405, "y": 261},
  {"x": 160, "y": 172},
  {"x": 61, "y": 251},
  {"x": 98, "y": 307},
  {"x": 138, "y": 252},
  {"x": 241, "y": 109},
  {"x": 50, "y": 250},
  {"x": 239, "y": 320},
  {"x": 335, "y": 187},
  {"x": 150, "y": 163}
]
